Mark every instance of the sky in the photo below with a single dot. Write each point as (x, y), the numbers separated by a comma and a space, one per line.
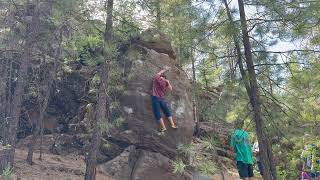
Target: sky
(281, 45)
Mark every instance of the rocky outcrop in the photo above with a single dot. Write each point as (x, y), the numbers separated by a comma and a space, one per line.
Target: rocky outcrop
(149, 155)
(140, 127)
(140, 164)
(68, 97)
(155, 40)
(135, 150)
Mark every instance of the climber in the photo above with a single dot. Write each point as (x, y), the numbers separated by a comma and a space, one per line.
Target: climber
(159, 86)
(241, 145)
(256, 152)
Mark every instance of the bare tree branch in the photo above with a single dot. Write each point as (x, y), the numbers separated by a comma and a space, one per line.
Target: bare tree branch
(289, 51)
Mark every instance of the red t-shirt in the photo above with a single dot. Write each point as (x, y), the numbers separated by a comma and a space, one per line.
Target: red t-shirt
(159, 86)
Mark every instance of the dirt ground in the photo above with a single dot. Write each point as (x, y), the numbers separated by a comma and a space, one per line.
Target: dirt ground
(69, 167)
(52, 167)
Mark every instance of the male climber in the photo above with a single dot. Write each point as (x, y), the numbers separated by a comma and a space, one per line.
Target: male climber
(159, 86)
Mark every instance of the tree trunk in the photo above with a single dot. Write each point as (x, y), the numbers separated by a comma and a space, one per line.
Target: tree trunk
(205, 78)
(194, 100)
(3, 92)
(32, 29)
(43, 104)
(38, 129)
(238, 51)
(102, 105)
(158, 11)
(264, 146)
(32, 142)
(8, 103)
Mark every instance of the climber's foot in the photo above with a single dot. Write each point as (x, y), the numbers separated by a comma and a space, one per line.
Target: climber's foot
(174, 127)
(162, 130)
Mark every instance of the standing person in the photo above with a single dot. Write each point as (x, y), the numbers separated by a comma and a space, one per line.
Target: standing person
(258, 156)
(304, 175)
(160, 84)
(241, 146)
(310, 157)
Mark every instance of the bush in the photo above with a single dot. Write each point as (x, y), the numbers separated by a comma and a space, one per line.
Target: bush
(8, 173)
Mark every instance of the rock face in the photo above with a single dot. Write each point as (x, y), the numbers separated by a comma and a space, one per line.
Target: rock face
(140, 124)
(137, 150)
(68, 97)
(152, 39)
(139, 164)
(149, 154)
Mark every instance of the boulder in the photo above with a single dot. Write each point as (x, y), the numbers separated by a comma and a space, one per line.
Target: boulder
(67, 100)
(138, 164)
(153, 39)
(135, 149)
(147, 154)
(140, 126)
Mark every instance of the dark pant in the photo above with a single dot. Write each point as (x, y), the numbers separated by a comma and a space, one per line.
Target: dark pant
(259, 164)
(157, 105)
(245, 170)
(313, 174)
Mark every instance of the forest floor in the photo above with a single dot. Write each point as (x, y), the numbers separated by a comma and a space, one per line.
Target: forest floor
(52, 167)
(66, 167)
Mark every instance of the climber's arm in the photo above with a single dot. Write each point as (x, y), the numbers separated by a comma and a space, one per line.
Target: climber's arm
(162, 71)
(169, 85)
(231, 151)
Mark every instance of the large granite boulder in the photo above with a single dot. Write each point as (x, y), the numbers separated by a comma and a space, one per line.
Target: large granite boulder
(147, 154)
(153, 39)
(138, 164)
(140, 126)
(135, 150)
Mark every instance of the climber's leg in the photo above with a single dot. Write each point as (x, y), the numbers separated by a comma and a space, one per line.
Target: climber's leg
(172, 123)
(166, 111)
(162, 126)
(156, 112)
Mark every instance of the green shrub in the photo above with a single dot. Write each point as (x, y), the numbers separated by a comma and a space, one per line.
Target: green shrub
(179, 166)
(8, 173)
(209, 143)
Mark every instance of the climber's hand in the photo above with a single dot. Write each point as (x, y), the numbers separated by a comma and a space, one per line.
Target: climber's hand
(231, 153)
(164, 70)
(167, 68)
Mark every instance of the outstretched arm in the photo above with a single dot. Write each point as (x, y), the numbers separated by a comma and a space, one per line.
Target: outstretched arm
(162, 71)
(169, 85)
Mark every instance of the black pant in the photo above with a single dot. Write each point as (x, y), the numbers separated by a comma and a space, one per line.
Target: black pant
(245, 170)
(259, 164)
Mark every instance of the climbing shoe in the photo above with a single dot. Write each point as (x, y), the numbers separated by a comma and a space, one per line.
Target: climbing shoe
(174, 127)
(162, 130)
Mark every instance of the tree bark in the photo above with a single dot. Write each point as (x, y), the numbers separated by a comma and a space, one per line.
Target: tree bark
(3, 92)
(253, 94)
(194, 100)
(43, 102)
(102, 105)
(158, 11)
(39, 127)
(192, 59)
(236, 41)
(8, 158)
(8, 102)
(264, 146)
